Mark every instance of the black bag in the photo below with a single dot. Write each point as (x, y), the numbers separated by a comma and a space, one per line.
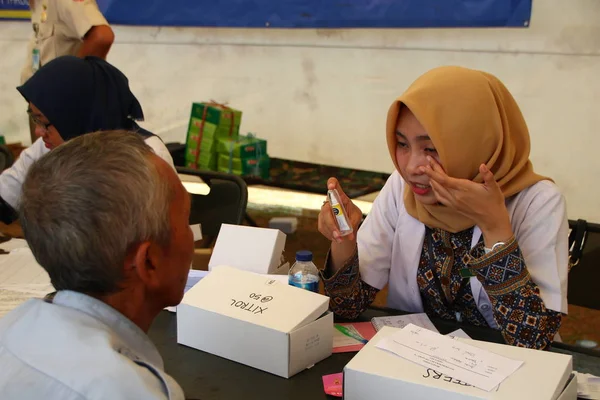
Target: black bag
(577, 239)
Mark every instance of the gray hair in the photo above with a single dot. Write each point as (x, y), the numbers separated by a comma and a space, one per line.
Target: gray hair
(87, 202)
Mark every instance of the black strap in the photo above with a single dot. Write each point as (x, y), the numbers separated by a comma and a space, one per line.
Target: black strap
(49, 298)
(142, 132)
(577, 241)
(8, 215)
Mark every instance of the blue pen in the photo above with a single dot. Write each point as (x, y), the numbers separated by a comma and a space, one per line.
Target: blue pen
(351, 334)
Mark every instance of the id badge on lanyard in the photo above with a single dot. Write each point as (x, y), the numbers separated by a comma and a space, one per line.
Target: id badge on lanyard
(35, 53)
(35, 59)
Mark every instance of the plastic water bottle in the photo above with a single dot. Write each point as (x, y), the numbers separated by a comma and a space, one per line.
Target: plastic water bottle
(304, 274)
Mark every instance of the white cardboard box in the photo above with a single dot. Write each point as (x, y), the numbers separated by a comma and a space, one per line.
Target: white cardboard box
(376, 374)
(570, 392)
(248, 248)
(257, 321)
(287, 225)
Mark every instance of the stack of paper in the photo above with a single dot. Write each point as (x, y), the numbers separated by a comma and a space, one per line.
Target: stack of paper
(21, 277)
(459, 333)
(463, 362)
(588, 386)
(194, 276)
(350, 337)
(400, 321)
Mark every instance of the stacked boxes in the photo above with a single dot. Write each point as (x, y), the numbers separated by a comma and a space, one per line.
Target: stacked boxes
(209, 122)
(244, 155)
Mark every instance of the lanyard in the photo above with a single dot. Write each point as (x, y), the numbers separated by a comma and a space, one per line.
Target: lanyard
(447, 294)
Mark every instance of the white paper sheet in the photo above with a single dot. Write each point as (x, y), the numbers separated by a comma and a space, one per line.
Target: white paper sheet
(196, 232)
(470, 364)
(13, 244)
(30, 289)
(459, 333)
(21, 277)
(194, 276)
(400, 321)
(588, 386)
(19, 268)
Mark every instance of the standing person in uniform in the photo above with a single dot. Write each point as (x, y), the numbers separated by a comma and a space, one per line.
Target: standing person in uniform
(67, 98)
(464, 230)
(65, 27)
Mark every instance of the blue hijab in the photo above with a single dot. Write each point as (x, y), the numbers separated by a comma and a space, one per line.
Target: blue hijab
(80, 96)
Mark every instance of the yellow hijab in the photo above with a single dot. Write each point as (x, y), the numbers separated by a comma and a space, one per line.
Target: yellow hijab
(472, 119)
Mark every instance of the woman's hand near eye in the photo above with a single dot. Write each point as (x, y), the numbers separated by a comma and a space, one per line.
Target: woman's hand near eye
(483, 203)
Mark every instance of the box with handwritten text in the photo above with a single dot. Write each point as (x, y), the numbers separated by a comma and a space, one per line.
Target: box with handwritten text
(415, 368)
(257, 321)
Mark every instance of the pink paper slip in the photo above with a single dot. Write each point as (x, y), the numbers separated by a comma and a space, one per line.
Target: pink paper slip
(333, 384)
(345, 344)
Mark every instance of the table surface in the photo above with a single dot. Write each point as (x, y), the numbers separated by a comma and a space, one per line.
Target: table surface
(204, 376)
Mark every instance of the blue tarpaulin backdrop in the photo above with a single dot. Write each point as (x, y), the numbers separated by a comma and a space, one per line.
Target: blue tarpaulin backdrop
(308, 13)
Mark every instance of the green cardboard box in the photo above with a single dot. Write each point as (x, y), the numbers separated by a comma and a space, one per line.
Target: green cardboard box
(191, 165)
(206, 162)
(204, 144)
(204, 157)
(194, 154)
(216, 114)
(245, 167)
(209, 122)
(242, 147)
(211, 131)
(208, 130)
(207, 145)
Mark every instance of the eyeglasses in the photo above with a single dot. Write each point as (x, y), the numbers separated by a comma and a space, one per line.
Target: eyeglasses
(36, 120)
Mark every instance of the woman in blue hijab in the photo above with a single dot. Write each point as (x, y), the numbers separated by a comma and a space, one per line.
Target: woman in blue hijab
(69, 97)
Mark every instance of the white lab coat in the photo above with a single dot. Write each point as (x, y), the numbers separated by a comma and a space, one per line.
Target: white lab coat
(390, 242)
(12, 179)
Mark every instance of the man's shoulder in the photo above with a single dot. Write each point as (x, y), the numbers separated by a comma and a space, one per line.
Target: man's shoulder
(92, 362)
(22, 380)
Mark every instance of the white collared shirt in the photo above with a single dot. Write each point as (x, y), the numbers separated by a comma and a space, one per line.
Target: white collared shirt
(78, 347)
(390, 243)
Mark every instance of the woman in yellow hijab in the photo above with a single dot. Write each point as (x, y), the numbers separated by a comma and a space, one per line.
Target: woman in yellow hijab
(464, 229)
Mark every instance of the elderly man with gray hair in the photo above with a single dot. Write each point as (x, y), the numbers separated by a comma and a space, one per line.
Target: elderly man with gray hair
(108, 220)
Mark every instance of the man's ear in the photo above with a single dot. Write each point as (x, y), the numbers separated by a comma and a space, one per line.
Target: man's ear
(145, 258)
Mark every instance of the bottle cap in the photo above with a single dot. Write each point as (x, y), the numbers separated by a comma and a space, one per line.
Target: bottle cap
(304, 255)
